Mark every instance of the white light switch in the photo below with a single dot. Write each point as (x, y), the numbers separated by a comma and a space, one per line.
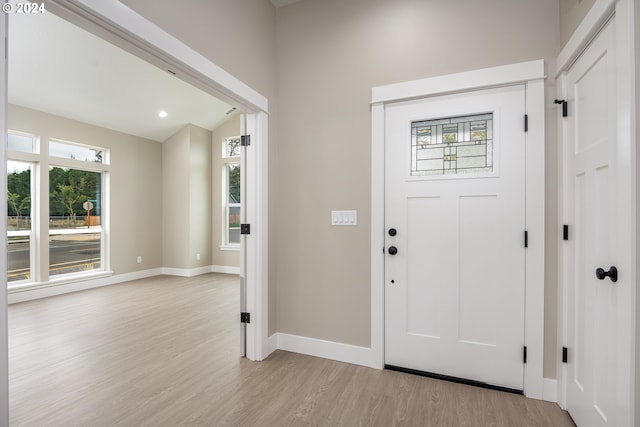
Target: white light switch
(344, 217)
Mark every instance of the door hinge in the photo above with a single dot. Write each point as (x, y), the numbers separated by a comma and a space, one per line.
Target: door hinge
(526, 239)
(526, 123)
(565, 355)
(245, 140)
(565, 232)
(565, 109)
(245, 317)
(524, 354)
(245, 228)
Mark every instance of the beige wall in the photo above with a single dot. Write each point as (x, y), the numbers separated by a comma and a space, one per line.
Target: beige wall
(637, 94)
(200, 195)
(175, 200)
(135, 204)
(572, 12)
(221, 257)
(186, 201)
(330, 54)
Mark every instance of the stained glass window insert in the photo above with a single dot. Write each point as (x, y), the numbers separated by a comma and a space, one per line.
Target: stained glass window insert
(451, 146)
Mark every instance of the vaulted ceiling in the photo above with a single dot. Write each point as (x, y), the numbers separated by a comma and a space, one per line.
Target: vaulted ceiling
(61, 69)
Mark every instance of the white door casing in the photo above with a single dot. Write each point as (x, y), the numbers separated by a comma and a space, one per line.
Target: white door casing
(454, 299)
(598, 197)
(531, 74)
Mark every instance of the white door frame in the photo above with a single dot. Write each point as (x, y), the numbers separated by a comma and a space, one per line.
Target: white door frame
(123, 27)
(532, 75)
(599, 14)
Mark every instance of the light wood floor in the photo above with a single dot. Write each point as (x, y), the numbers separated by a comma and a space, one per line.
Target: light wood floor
(164, 352)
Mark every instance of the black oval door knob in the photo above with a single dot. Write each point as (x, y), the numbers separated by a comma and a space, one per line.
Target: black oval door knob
(611, 274)
(392, 232)
(392, 250)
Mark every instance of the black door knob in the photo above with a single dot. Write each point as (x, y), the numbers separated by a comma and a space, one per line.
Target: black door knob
(611, 274)
(392, 232)
(392, 250)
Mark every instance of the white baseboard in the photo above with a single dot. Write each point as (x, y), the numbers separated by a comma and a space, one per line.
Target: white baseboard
(186, 272)
(191, 272)
(550, 390)
(272, 344)
(225, 269)
(326, 349)
(36, 291)
(73, 284)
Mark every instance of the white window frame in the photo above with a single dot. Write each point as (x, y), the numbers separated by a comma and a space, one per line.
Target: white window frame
(226, 162)
(39, 263)
(29, 158)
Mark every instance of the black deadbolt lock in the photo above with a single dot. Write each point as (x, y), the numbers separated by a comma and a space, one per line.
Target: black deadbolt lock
(392, 232)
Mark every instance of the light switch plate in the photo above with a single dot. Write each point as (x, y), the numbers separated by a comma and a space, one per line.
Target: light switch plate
(344, 218)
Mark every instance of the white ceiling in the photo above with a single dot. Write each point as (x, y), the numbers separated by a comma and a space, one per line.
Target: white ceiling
(61, 69)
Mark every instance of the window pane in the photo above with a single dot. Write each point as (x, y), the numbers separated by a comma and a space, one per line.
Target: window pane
(231, 147)
(73, 253)
(234, 224)
(233, 180)
(19, 258)
(76, 152)
(19, 220)
(75, 206)
(18, 196)
(454, 145)
(25, 143)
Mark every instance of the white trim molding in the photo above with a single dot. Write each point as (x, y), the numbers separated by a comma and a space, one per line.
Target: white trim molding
(36, 291)
(532, 74)
(550, 391)
(326, 349)
(225, 269)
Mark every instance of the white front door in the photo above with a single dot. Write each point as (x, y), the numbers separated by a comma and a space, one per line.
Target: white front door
(455, 235)
(598, 318)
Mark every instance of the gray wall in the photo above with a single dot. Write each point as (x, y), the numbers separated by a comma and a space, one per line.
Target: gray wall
(186, 198)
(572, 12)
(175, 200)
(637, 94)
(200, 195)
(330, 54)
(136, 197)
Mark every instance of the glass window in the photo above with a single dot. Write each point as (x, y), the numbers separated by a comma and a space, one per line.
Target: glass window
(83, 153)
(233, 204)
(75, 212)
(19, 191)
(231, 147)
(454, 145)
(18, 142)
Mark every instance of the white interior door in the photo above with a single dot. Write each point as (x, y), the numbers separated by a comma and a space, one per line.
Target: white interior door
(598, 327)
(243, 237)
(455, 265)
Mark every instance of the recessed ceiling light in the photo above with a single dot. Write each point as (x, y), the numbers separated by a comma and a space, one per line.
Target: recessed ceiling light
(162, 114)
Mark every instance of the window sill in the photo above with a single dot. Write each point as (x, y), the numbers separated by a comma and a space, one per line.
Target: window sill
(67, 279)
(232, 248)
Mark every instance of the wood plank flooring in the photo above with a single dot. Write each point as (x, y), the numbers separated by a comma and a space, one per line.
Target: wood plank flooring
(164, 351)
